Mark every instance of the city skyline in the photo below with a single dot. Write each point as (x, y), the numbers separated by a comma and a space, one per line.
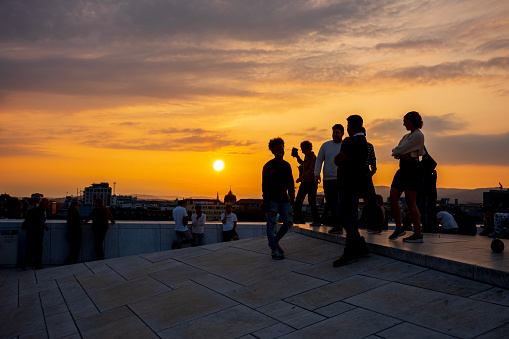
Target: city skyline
(149, 94)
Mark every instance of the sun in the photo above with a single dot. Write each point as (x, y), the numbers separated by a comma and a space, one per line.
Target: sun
(218, 165)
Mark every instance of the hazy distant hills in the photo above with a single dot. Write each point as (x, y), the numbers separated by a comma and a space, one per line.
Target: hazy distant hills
(464, 196)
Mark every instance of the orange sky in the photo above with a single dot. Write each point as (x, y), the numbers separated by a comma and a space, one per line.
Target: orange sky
(149, 94)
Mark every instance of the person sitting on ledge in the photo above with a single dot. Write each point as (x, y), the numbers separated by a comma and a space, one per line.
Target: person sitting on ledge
(182, 232)
(229, 220)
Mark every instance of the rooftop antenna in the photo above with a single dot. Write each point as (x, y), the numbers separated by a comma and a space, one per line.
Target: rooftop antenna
(501, 187)
(114, 185)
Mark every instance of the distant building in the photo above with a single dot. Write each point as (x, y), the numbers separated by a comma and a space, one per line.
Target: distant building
(497, 199)
(102, 190)
(230, 198)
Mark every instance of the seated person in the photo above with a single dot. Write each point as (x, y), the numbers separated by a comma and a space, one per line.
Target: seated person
(446, 223)
(466, 224)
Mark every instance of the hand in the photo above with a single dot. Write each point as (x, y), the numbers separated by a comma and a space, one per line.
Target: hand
(406, 157)
(297, 181)
(265, 206)
(318, 179)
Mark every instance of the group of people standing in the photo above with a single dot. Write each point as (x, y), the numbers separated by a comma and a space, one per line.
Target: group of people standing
(35, 226)
(348, 167)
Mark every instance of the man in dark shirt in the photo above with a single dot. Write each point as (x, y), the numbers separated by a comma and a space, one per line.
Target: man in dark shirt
(35, 225)
(278, 193)
(354, 182)
(100, 216)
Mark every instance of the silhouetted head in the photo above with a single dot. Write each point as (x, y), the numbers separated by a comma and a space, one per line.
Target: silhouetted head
(98, 202)
(306, 147)
(414, 118)
(229, 209)
(337, 133)
(354, 124)
(277, 147)
(181, 203)
(379, 200)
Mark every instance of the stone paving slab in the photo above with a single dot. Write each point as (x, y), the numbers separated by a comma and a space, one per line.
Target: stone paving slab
(127, 292)
(267, 291)
(445, 313)
(178, 306)
(229, 323)
(235, 290)
(357, 323)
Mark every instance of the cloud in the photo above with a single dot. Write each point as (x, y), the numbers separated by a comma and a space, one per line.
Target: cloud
(470, 149)
(494, 45)
(274, 20)
(444, 141)
(448, 70)
(126, 123)
(410, 44)
(391, 130)
(175, 139)
(11, 150)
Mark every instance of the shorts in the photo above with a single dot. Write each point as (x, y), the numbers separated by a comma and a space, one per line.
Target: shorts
(183, 235)
(229, 235)
(407, 179)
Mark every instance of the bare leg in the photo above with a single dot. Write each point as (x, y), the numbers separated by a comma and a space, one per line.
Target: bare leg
(411, 201)
(396, 212)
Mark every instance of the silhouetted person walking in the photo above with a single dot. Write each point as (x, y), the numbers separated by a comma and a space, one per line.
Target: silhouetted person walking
(278, 193)
(99, 216)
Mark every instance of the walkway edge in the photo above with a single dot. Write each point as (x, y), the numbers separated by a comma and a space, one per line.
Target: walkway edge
(465, 270)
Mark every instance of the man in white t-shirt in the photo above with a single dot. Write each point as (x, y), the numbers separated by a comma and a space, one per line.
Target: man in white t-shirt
(198, 227)
(326, 155)
(446, 223)
(181, 218)
(229, 220)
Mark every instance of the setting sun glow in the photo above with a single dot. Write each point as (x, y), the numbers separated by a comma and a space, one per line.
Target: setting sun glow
(218, 165)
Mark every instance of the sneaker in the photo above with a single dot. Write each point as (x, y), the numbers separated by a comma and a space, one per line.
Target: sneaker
(280, 249)
(346, 258)
(276, 255)
(495, 234)
(336, 230)
(374, 231)
(414, 238)
(315, 224)
(398, 232)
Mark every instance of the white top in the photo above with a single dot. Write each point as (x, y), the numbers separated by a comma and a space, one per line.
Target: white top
(230, 219)
(178, 215)
(198, 223)
(412, 143)
(326, 155)
(447, 220)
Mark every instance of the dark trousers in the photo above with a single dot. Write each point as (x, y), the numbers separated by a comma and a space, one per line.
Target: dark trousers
(330, 190)
(99, 234)
(74, 238)
(34, 248)
(307, 188)
(349, 200)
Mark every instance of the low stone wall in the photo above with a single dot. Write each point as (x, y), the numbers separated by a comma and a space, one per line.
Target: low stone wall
(124, 238)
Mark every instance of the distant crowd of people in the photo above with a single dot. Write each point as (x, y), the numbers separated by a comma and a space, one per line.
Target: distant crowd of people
(348, 166)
